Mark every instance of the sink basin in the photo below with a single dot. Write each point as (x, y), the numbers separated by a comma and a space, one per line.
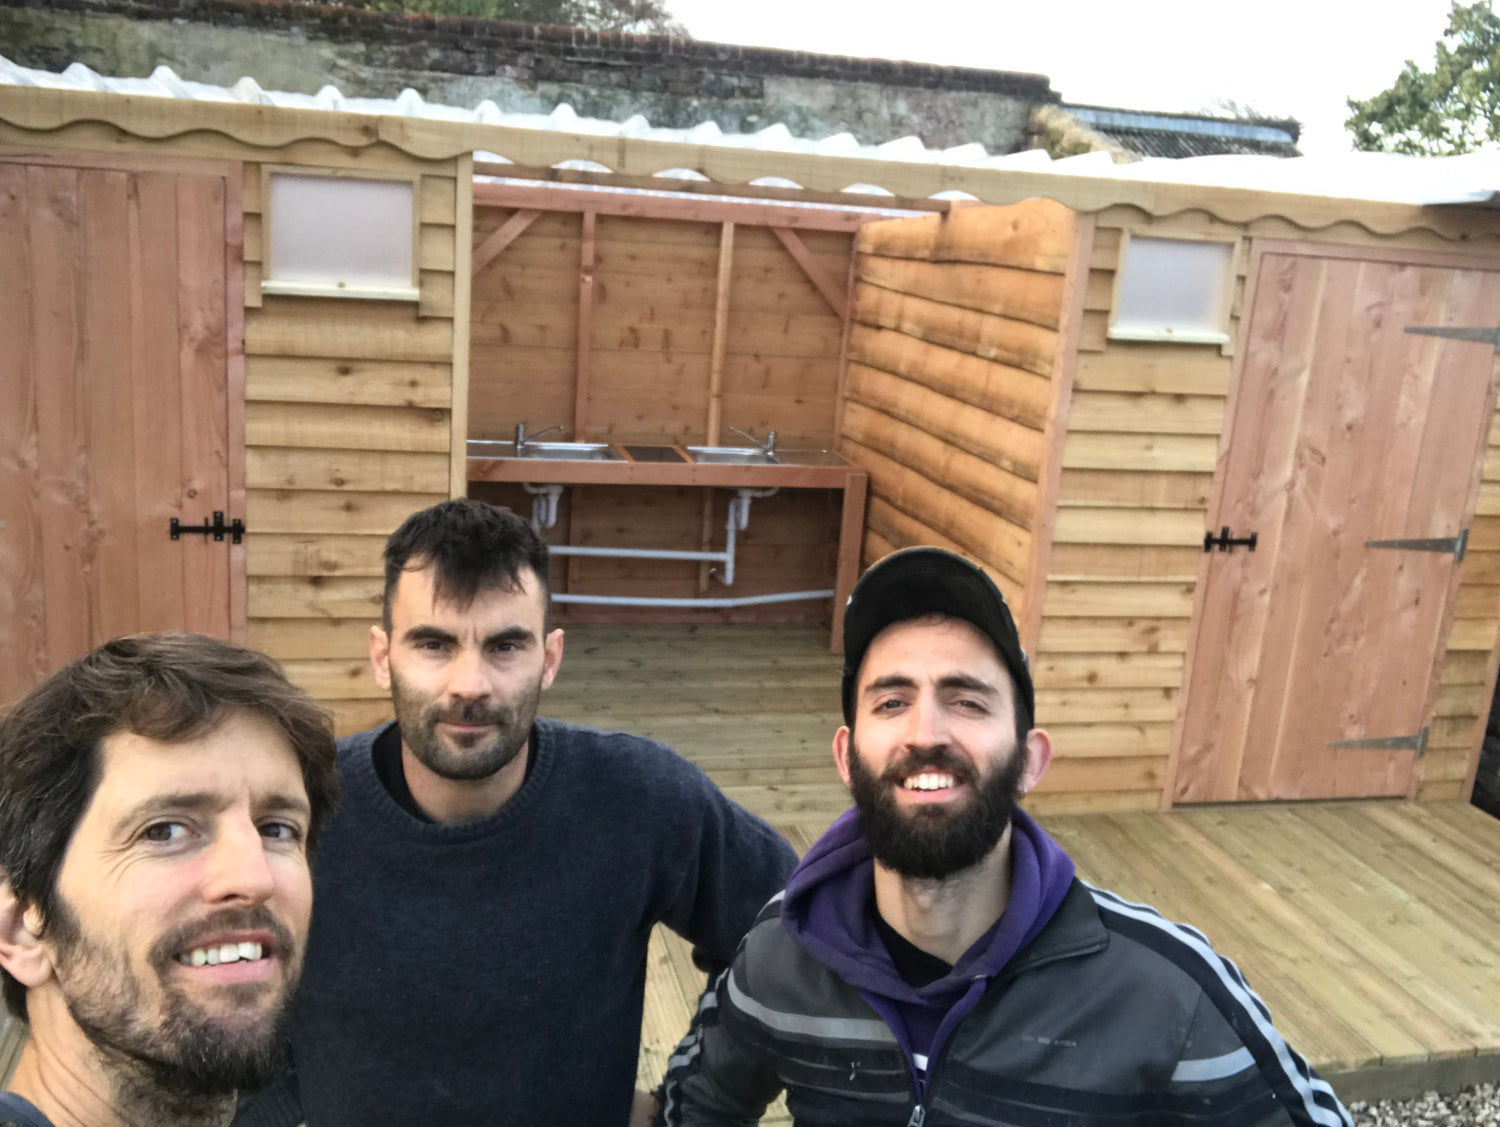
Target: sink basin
(731, 456)
(572, 452)
(547, 451)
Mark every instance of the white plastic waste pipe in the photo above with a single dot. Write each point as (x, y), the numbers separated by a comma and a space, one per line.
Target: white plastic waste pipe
(544, 515)
(738, 601)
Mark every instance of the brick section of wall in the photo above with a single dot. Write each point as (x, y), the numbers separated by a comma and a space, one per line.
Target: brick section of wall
(675, 82)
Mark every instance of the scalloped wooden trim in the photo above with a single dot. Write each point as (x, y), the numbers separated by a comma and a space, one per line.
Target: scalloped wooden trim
(48, 110)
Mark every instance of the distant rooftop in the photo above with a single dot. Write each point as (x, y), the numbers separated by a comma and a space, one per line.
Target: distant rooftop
(1176, 136)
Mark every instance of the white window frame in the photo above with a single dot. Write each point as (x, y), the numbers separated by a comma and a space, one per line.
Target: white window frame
(1220, 336)
(269, 283)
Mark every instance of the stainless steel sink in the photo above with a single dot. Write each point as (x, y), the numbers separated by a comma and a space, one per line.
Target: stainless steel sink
(731, 456)
(547, 451)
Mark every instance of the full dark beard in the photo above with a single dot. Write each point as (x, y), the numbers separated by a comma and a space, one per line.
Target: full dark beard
(930, 842)
(419, 720)
(188, 1064)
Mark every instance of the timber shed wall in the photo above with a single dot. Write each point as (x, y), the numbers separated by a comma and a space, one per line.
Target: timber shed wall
(1137, 455)
(960, 344)
(347, 413)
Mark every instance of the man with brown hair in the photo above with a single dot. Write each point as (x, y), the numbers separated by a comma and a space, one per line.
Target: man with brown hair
(158, 801)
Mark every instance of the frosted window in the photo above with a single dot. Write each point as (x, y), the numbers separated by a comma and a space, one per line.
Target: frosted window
(1173, 288)
(336, 234)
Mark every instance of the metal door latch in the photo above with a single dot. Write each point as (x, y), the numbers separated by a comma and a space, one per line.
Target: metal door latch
(1224, 541)
(1416, 742)
(1458, 545)
(235, 528)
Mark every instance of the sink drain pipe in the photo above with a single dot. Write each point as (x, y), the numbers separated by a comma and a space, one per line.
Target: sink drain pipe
(544, 516)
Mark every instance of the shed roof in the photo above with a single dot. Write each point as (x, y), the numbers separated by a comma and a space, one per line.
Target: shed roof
(1390, 178)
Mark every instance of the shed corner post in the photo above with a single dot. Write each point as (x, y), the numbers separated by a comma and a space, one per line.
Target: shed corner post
(1055, 429)
(463, 250)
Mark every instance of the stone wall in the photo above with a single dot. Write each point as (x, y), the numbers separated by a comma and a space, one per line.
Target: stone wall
(524, 68)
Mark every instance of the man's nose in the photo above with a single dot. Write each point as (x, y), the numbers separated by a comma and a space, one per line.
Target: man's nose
(469, 677)
(237, 866)
(926, 723)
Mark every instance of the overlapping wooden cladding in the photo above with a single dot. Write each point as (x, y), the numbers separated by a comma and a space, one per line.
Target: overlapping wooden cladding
(348, 431)
(951, 378)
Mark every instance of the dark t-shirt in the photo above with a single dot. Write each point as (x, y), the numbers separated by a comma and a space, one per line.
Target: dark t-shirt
(18, 1112)
(916, 967)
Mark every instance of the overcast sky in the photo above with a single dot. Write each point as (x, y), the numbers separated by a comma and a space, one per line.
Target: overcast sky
(1298, 58)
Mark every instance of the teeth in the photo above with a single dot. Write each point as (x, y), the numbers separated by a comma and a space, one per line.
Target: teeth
(225, 953)
(929, 780)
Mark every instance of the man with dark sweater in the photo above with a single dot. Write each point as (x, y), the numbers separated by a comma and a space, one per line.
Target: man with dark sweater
(485, 895)
(934, 961)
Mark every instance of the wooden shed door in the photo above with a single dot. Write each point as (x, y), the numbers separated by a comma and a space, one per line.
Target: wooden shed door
(113, 410)
(1346, 429)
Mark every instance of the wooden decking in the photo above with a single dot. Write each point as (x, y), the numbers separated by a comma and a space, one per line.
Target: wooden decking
(1371, 929)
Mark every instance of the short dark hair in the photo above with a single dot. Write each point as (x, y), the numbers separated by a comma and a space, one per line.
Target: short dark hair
(471, 546)
(165, 687)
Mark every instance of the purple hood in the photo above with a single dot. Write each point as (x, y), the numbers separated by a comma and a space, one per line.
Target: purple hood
(829, 895)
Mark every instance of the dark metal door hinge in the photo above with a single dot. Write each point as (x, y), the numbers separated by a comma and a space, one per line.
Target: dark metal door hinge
(1490, 337)
(235, 528)
(1224, 541)
(1458, 545)
(1416, 743)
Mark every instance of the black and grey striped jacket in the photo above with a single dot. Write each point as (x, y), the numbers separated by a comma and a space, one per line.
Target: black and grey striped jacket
(1111, 1016)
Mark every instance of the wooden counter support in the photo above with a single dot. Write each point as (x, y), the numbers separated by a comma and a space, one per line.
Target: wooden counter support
(829, 472)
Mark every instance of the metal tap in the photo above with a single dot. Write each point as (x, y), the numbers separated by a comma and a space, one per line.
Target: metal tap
(768, 448)
(521, 436)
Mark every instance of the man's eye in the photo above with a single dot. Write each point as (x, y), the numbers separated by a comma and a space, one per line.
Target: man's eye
(164, 831)
(890, 704)
(281, 831)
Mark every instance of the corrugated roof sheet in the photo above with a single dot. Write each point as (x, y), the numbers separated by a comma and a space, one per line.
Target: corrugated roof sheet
(1473, 178)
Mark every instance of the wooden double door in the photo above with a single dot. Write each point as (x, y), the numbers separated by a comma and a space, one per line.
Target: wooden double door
(1316, 655)
(116, 337)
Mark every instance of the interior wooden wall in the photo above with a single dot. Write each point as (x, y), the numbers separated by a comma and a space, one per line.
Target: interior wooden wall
(649, 333)
(950, 381)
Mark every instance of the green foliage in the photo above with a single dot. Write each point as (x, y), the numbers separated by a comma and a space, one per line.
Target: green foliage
(645, 17)
(1449, 109)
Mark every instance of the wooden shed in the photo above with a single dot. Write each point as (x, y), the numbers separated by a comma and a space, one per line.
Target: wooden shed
(985, 367)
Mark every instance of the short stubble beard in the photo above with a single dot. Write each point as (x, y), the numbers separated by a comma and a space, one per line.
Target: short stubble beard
(187, 1068)
(418, 721)
(931, 842)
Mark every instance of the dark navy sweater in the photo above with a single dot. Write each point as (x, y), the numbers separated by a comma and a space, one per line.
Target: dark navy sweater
(493, 972)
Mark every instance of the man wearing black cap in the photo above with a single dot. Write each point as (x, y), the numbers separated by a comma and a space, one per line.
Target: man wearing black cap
(934, 960)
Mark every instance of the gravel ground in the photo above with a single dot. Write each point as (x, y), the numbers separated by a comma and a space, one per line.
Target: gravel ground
(1470, 1107)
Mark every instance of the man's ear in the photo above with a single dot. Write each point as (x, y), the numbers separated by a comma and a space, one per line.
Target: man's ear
(380, 656)
(1038, 755)
(841, 753)
(22, 951)
(552, 655)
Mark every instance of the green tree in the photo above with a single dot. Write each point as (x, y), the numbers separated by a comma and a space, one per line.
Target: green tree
(644, 17)
(1446, 110)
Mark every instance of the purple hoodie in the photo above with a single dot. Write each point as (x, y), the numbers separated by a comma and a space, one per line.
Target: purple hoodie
(829, 908)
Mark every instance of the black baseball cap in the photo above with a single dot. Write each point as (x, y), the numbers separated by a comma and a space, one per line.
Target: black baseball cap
(919, 581)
